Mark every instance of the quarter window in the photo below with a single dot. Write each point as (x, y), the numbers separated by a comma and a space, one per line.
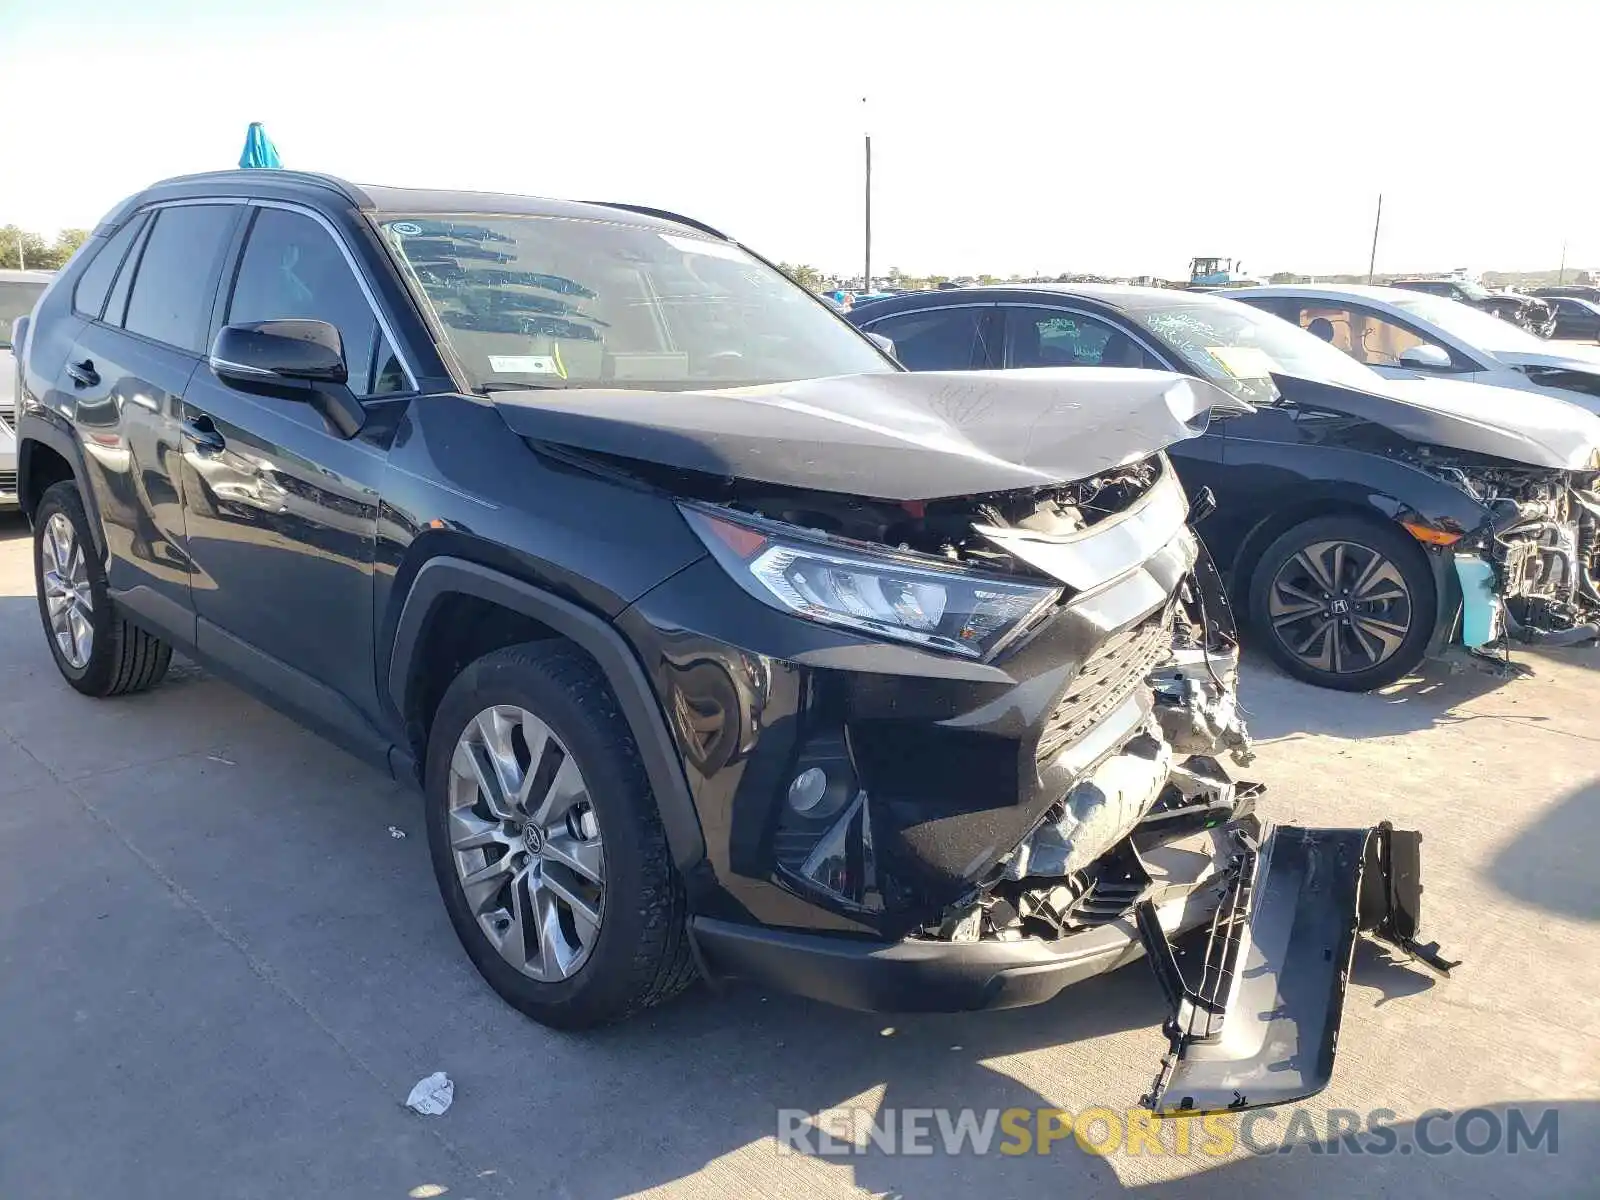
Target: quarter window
(292, 269)
(89, 297)
(176, 280)
(940, 339)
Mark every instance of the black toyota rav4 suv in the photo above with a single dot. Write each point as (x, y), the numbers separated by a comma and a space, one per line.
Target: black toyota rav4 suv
(716, 642)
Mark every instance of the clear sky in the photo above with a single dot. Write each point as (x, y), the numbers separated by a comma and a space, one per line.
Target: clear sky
(1008, 136)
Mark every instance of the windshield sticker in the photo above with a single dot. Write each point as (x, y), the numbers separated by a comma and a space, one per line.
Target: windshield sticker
(1243, 362)
(525, 364)
(406, 228)
(691, 245)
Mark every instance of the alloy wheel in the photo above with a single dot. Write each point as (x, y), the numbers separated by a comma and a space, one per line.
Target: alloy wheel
(526, 843)
(1340, 606)
(67, 597)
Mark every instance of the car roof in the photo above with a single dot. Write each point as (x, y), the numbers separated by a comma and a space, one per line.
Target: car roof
(1123, 296)
(1368, 291)
(12, 275)
(381, 200)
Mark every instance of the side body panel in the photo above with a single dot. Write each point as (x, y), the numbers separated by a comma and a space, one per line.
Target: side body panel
(127, 423)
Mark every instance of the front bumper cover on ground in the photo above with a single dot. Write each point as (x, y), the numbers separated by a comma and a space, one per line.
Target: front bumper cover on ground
(1258, 1028)
(1262, 1024)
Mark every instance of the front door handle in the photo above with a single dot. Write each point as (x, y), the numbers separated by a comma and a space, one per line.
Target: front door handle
(83, 373)
(203, 433)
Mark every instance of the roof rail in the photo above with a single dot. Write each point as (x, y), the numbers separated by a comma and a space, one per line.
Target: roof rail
(348, 190)
(664, 215)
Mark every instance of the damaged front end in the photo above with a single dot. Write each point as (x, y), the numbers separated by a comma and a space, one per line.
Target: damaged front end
(1529, 574)
(953, 748)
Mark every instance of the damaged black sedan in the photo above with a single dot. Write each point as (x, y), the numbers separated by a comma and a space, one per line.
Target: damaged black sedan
(1363, 523)
(716, 642)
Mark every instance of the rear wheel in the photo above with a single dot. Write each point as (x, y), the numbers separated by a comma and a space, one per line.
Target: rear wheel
(96, 649)
(546, 843)
(1344, 603)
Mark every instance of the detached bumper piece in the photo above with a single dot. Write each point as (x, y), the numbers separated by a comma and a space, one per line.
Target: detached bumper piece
(1261, 1025)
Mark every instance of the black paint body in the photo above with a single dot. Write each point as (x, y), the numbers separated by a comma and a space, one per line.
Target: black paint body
(324, 573)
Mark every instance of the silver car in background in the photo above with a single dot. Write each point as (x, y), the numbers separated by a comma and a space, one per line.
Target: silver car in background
(19, 290)
(1410, 335)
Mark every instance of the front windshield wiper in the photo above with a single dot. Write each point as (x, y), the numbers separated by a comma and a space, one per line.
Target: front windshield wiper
(483, 389)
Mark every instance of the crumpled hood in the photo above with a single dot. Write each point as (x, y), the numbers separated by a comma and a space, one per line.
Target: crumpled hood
(1524, 427)
(891, 436)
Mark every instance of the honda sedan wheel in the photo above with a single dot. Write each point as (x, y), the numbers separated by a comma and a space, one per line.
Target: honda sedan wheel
(1344, 602)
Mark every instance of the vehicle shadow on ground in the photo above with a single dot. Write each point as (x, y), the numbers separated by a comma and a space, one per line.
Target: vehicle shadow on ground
(1278, 706)
(1551, 863)
(13, 526)
(821, 1059)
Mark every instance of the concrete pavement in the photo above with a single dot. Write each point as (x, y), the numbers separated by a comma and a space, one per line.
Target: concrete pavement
(220, 975)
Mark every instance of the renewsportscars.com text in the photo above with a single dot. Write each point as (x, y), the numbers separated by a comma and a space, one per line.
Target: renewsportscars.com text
(1104, 1131)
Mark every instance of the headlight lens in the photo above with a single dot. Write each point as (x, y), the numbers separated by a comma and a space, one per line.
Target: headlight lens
(950, 609)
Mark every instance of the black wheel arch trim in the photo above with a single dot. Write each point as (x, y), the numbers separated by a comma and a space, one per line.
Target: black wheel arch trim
(445, 575)
(41, 426)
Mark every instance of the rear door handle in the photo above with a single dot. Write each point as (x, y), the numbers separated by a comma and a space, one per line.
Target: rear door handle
(83, 373)
(203, 433)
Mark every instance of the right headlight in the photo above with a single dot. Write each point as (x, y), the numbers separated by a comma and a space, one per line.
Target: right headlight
(906, 597)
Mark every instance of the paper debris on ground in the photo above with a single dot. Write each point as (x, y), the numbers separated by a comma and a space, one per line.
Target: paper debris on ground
(432, 1095)
(396, 832)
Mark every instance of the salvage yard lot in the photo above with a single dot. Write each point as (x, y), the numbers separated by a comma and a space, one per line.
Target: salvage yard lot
(220, 974)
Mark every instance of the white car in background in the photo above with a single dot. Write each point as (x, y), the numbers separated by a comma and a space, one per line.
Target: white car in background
(1410, 335)
(18, 292)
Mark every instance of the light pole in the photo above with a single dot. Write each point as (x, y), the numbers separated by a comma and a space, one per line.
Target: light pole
(866, 270)
(1372, 262)
(22, 259)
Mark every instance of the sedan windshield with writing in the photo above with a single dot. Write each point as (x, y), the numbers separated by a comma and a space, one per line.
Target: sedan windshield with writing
(558, 302)
(1239, 348)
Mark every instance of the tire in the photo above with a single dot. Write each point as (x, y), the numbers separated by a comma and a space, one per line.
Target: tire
(637, 950)
(1385, 630)
(117, 657)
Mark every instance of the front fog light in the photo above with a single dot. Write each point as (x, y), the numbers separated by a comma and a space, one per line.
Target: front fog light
(808, 789)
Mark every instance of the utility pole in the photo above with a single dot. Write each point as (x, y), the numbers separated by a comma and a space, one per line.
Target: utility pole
(1372, 262)
(1561, 274)
(866, 272)
(22, 259)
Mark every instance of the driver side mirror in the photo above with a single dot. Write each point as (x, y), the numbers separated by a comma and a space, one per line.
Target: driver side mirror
(885, 344)
(1426, 357)
(293, 360)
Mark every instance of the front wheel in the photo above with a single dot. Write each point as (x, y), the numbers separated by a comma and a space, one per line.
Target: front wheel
(546, 842)
(1344, 602)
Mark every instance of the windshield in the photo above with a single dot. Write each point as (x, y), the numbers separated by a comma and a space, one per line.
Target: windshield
(1476, 328)
(1238, 348)
(528, 301)
(16, 300)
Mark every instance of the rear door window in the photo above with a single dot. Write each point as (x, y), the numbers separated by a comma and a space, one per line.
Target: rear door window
(939, 339)
(89, 296)
(175, 282)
